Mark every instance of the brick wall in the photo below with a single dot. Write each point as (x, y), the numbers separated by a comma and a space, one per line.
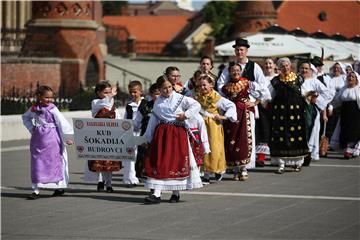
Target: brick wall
(21, 75)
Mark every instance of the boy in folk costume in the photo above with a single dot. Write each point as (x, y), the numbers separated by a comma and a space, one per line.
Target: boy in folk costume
(212, 103)
(131, 109)
(47, 126)
(103, 107)
(140, 124)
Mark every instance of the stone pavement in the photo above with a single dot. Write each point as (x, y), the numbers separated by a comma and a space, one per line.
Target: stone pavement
(320, 202)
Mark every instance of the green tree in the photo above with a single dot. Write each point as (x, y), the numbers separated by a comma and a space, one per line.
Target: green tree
(112, 7)
(221, 16)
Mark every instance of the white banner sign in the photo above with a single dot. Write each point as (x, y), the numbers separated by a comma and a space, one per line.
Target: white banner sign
(104, 139)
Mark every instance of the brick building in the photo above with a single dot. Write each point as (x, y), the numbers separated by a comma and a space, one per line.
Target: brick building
(64, 47)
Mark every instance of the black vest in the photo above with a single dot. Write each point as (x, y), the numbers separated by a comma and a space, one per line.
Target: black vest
(129, 111)
(248, 71)
(321, 79)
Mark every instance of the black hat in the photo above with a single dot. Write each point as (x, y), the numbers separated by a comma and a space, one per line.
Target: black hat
(241, 42)
(317, 61)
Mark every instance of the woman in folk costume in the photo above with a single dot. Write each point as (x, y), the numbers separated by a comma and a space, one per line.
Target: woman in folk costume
(288, 137)
(211, 106)
(348, 127)
(239, 135)
(103, 107)
(335, 83)
(170, 164)
(48, 128)
(318, 96)
(262, 128)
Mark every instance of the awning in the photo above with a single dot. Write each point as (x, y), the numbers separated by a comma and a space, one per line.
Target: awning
(278, 45)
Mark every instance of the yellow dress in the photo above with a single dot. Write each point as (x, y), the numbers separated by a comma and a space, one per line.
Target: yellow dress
(215, 161)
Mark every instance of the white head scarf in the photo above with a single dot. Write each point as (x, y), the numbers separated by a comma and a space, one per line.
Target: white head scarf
(343, 71)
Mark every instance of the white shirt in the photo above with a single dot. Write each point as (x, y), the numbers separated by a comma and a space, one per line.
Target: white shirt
(167, 109)
(325, 94)
(98, 104)
(347, 94)
(31, 119)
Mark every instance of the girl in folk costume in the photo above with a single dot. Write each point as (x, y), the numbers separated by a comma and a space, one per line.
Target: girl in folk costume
(48, 127)
(173, 74)
(197, 130)
(206, 65)
(348, 128)
(262, 128)
(239, 137)
(317, 96)
(288, 125)
(212, 103)
(103, 107)
(170, 164)
(192, 84)
(198, 134)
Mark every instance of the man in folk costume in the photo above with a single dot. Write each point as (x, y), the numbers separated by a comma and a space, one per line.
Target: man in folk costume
(258, 86)
(324, 79)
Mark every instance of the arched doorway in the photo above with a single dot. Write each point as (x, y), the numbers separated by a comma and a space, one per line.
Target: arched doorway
(92, 72)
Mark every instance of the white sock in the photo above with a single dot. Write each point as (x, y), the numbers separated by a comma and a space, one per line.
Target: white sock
(157, 193)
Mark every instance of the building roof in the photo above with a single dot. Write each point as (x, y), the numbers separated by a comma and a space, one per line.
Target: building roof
(149, 28)
(330, 17)
(156, 8)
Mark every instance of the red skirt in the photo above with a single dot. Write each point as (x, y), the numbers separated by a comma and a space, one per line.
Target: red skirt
(168, 153)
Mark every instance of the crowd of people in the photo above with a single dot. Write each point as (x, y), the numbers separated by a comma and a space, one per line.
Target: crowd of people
(210, 125)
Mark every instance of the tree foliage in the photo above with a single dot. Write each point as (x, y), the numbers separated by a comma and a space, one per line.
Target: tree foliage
(221, 16)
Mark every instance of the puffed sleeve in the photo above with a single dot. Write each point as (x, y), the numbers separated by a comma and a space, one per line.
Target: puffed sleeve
(27, 119)
(259, 87)
(325, 95)
(228, 107)
(191, 107)
(98, 104)
(64, 125)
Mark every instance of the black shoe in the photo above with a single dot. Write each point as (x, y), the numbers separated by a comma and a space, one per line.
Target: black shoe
(307, 161)
(218, 176)
(280, 171)
(100, 186)
(174, 198)
(33, 196)
(152, 200)
(109, 190)
(131, 185)
(205, 181)
(259, 164)
(58, 192)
